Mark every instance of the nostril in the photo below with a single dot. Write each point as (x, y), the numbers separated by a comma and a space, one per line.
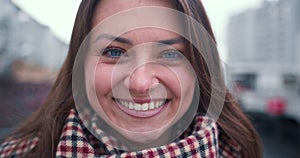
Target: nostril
(141, 81)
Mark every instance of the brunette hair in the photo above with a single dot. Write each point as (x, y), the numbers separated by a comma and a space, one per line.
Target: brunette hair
(47, 122)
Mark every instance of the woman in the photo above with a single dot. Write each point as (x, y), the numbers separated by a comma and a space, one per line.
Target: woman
(141, 108)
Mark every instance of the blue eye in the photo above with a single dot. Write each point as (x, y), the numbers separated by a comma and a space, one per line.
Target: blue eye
(113, 52)
(172, 55)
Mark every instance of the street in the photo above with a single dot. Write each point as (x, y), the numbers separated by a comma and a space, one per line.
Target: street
(280, 135)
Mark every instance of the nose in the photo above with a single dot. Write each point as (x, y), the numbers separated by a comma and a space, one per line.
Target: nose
(142, 79)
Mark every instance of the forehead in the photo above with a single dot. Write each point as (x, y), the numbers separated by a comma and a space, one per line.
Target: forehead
(135, 22)
(107, 8)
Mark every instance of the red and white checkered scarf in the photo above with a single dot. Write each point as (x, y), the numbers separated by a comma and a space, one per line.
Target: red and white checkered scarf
(76, 141)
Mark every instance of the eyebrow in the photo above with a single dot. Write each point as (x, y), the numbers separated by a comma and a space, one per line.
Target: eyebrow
(114, 38)
(171, 41)
(128, 42)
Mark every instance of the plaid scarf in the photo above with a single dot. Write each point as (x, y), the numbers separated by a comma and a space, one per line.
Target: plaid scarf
(202, 140)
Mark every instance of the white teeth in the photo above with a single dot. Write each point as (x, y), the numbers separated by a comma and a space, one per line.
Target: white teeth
(137, 106)
(141, 107)
(157, 104)
(151, 105)
(126, 104)
(131, 106)
(145, 106)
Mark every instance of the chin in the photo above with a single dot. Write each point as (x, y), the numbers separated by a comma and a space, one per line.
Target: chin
(144, 138)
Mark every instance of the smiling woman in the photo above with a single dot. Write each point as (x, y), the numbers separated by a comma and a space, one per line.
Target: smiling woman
(142, 79)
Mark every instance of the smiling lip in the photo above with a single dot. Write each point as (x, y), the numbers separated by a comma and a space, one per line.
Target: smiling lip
(141, 108)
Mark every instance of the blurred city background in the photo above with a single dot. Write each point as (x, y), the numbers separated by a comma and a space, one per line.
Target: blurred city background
(261, 51)
(30, 56)
(264, 71)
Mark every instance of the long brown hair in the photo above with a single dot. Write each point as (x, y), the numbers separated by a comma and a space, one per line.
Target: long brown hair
(48, 120)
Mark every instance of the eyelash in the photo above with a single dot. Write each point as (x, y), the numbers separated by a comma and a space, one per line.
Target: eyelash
(107, 53)
(178, 54)
(109, 49)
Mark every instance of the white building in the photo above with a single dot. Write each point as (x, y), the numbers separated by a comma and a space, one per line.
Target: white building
(241, 38)
(23, 38)
(268, 35)
(264, 49)
(265, 41)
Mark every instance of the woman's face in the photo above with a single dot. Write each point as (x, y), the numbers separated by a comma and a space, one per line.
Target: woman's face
(142, 80)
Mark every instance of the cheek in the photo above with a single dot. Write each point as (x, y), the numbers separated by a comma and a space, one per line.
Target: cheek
(103, 76)
(187, 84)
(182, 82)
(187, 81)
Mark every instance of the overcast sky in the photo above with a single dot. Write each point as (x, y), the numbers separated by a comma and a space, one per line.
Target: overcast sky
(59, 15)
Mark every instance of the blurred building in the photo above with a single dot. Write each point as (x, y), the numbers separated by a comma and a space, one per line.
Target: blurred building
(268, 35)
(30, 57)
(23, 39)
(264, 50)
